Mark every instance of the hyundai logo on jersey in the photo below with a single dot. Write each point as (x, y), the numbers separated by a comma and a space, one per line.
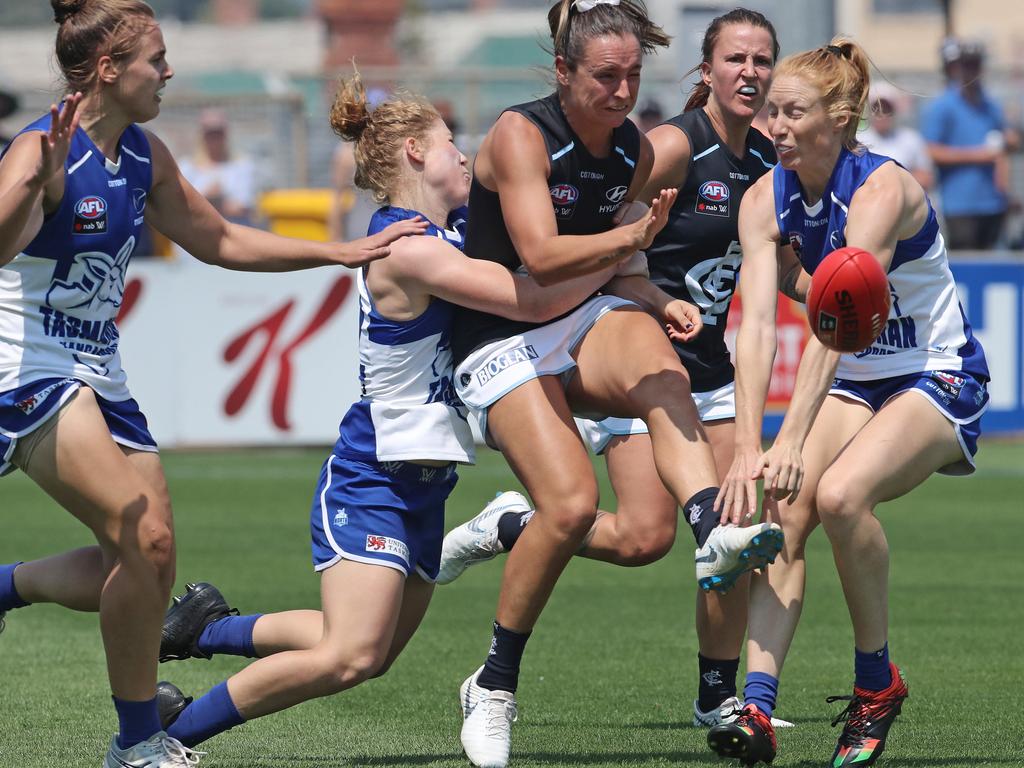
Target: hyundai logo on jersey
(90, 216)
(616, 194)
(713, 198)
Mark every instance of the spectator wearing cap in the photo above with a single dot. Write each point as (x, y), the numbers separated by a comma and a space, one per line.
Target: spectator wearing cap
(650, 115)
(967, 141)
(227, 180)
(886, 136)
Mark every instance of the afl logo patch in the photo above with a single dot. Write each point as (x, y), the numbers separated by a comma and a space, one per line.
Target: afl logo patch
(714, 191)
(616, 194)
(563, 198)
(713, 199)
(90, 216)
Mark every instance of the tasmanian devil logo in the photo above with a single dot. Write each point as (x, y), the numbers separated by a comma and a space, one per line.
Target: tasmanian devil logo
(94, 280)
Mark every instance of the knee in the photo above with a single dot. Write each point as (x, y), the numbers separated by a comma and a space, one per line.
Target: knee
(665, 381)
(838, 500)
(143, 532)
(645, 547)
(336, 674)
(570, 516)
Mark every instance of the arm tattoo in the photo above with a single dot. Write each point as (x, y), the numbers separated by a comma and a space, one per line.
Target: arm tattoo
(788, 285)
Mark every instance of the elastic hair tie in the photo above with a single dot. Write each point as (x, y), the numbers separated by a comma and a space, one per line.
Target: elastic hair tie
(835, 49)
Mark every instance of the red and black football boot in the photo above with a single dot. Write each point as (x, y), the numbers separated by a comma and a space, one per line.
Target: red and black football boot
(868, 717)
(750, 738)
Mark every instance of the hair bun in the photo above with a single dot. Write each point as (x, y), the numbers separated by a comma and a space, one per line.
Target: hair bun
(65, 9)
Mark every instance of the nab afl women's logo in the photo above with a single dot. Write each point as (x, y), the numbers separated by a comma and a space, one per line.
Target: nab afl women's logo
(713, 198)
(90, 216)
(714, 191)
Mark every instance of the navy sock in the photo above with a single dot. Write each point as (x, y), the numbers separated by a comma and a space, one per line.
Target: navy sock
(205, 717)
(510, 527)
(501, 670)
(138, 720)
(717, 681)
(231, 635)
(700, 512)
(9, 597)
(871, 670)
(762, 690)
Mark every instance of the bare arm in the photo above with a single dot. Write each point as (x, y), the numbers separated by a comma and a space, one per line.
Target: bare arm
(671, 160)
(178, 211)
(428, 266)
(946, 154)
(681, 318)
(32, 178)
(756, 344)
(794, 282)
(513, 160)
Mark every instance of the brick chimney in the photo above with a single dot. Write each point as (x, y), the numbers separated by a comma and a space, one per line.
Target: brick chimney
(363, 29)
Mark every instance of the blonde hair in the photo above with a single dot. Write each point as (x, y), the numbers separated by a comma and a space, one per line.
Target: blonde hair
(91, 29)
(571, 28)
(840, 72)
(378, 134)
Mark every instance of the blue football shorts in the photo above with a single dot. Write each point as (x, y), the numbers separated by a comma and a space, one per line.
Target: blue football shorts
(957, 395)
(381, 513)
(26, 408)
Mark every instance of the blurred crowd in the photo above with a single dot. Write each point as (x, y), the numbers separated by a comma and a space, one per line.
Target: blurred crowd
(958, 145)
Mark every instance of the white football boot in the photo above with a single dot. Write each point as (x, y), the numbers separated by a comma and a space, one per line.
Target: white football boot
(731, 551)
(476, 540)
(487, 724)
(158, 751)
(726, 712)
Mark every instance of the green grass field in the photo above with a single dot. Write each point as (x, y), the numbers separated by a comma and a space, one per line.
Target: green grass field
(609, 675)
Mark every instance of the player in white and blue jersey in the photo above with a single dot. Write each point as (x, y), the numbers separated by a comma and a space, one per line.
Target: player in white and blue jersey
(378, 510)
(76, 187)
(862, 428)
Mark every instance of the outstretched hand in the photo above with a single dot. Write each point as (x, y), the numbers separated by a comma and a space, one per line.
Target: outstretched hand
(55, 144)
(358, 253)
(647, 226)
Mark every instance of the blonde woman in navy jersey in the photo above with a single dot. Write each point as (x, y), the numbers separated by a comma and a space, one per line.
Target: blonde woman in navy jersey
(710, 154)
(862, 428)
(76, 187)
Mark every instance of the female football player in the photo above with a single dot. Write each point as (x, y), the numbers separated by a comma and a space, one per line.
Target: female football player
(862, 428)
(711, 155)
(76, 187)
(549, 179)
(378, 512)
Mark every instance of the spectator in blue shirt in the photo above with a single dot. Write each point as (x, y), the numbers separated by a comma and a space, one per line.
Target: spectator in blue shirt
(968, 143)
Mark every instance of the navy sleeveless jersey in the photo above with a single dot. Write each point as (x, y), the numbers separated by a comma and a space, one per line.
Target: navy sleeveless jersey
(586, 191)
(696, 257)
(60, 296)
(926, 329)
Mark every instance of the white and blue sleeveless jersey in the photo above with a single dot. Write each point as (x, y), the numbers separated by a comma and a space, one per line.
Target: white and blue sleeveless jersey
(409, 410)
(60, 296)
(927, 329)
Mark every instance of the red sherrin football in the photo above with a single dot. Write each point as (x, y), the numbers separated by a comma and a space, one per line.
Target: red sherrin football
(848, 303)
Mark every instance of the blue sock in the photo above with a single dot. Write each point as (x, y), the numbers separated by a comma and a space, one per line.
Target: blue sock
(761, 690)
(231, 635)
(9, 597)
(205, 717)
(871, 670)
(138, 720)
(501, 670)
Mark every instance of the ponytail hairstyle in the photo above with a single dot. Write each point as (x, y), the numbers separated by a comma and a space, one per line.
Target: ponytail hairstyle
(378, 134)
(840, 72)
(91, 29)
(574, 22)
(701, 91)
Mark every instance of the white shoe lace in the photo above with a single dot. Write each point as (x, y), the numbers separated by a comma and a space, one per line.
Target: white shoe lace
(500, 716)
(179, 754)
